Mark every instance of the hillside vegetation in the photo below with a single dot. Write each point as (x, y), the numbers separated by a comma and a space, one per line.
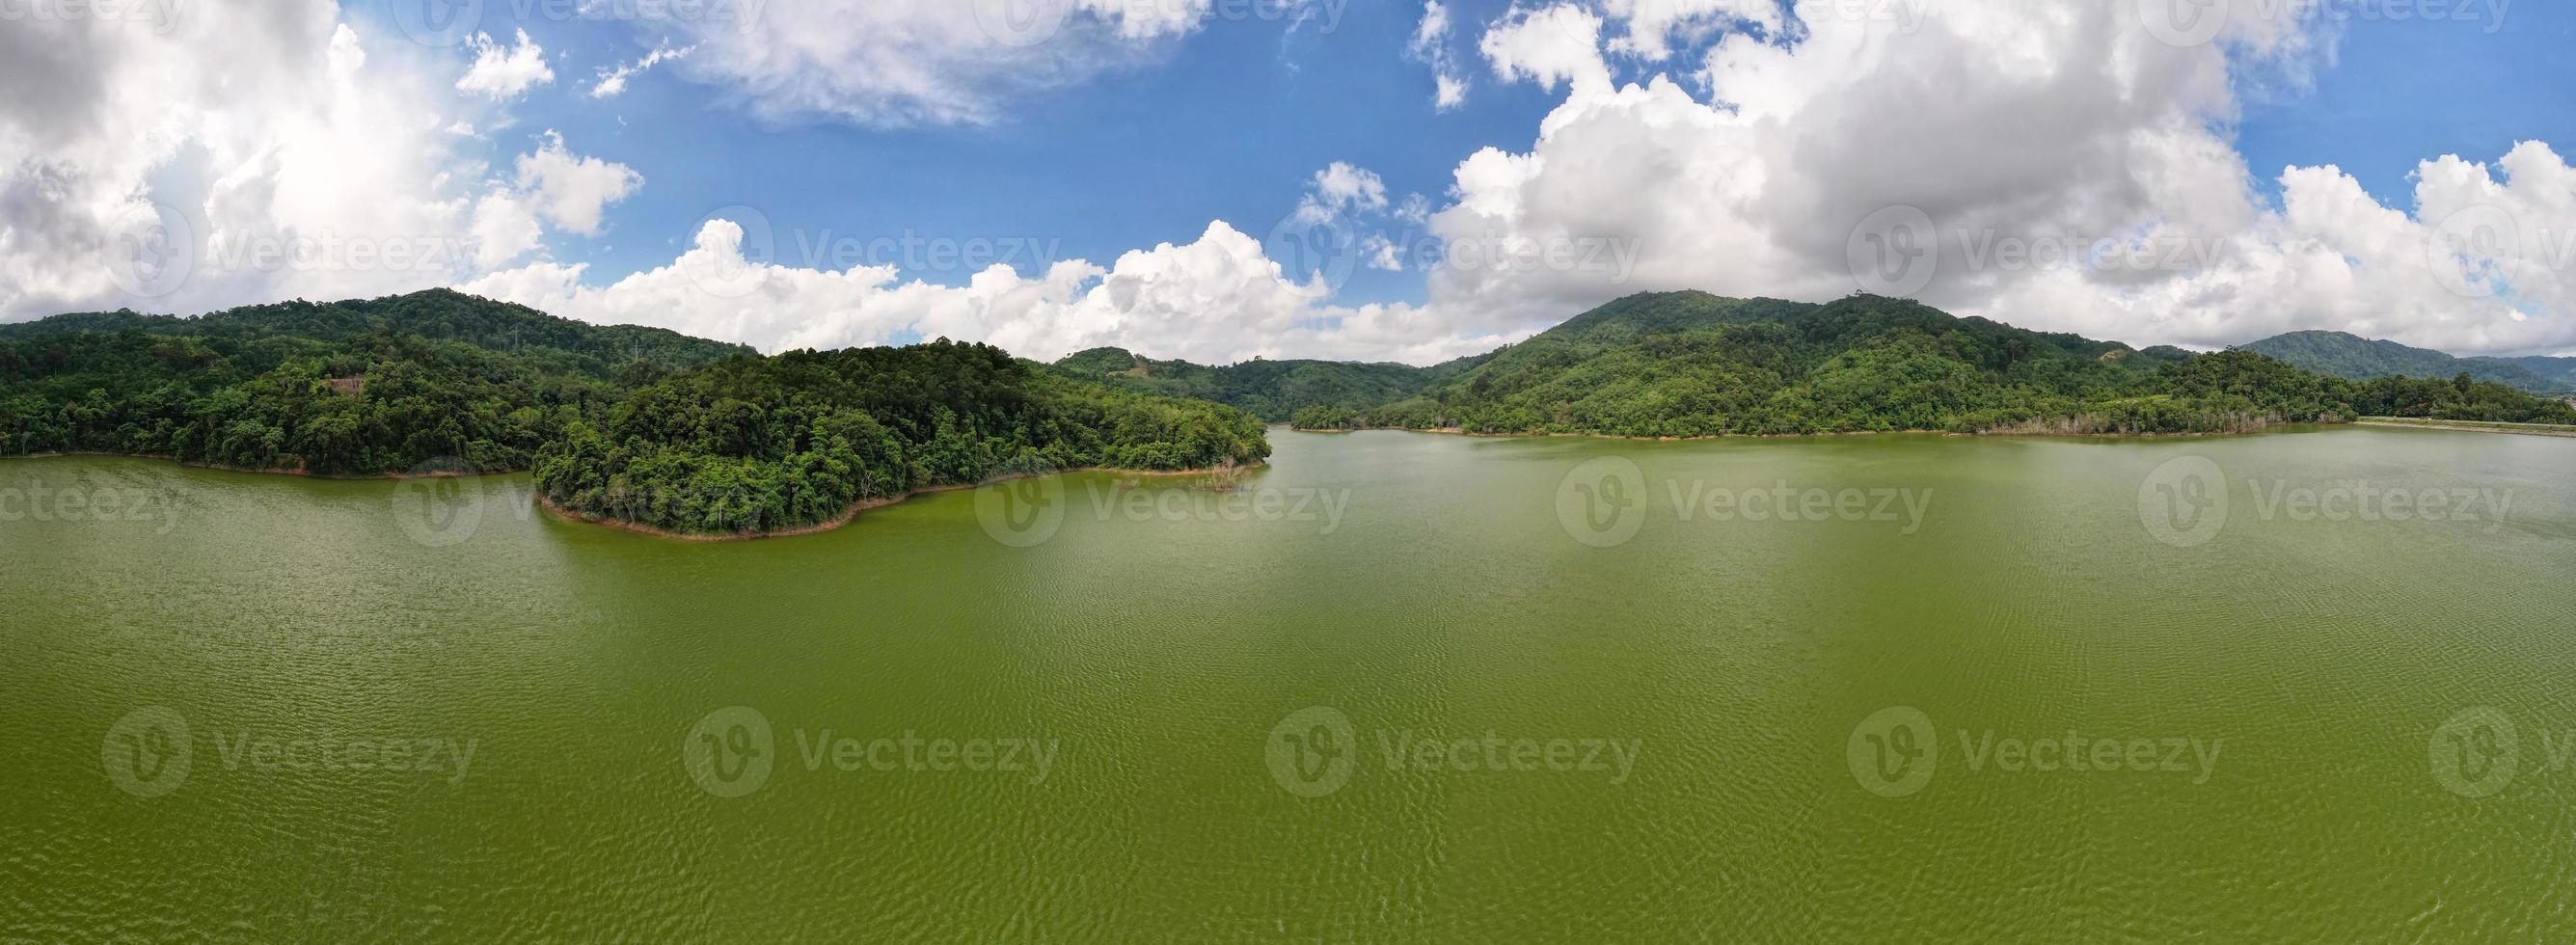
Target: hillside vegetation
(760, 445)
(1689, 364)
(356, 388)
(2352, 357)
(1272, 390)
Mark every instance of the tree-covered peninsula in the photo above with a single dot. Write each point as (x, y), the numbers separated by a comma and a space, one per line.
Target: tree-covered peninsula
(755, 445)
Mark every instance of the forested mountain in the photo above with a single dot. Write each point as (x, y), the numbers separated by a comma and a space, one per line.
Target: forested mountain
(1691, 364)
(1271, 390)
(367, 388)
(656, 428)
(2559, 373)
(758, 445)
(351, 388)
(2353, 357)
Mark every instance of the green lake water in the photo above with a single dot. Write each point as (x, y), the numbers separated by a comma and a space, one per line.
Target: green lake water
(1392, 688)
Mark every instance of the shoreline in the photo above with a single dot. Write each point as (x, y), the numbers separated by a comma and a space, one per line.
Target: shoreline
(2468, 426)
(856, 509)
(2001, 434)
(297, 473)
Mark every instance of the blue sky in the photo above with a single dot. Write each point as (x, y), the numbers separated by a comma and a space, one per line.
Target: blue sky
(1138, 164)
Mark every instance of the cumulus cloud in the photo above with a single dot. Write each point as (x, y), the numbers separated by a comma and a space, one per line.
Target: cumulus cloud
(2059, 166)
(264, 151)
(1551, 45)
(252, 152)
(503, 72)
(571, 190)
(1218, 299)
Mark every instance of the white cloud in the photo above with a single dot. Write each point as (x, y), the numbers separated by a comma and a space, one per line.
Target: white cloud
(1652, 24)
(1430, 46)
(502, 72)
(570, 190)
(2011, 126)
(1216, 300)
(1561, 43)
(1341, 189)
(255, 151)
(612, 82)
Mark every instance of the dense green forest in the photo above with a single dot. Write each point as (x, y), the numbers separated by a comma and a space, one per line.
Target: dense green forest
(1689, 364)
(1272, 390)
(2352, 357)
(355, 388)
(758, 445)
(656, 428)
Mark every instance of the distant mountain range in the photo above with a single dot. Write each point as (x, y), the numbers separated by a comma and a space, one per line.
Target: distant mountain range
(1691, 364)
(2356, 358)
